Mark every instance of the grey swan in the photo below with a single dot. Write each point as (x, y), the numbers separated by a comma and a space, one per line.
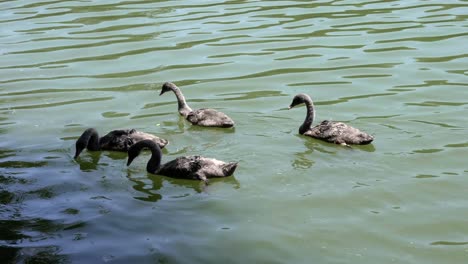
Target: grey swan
(118, 140)
(186, 167)
(333, 132)
(202, 117)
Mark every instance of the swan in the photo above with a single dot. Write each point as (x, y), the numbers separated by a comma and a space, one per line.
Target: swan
(119, 140)
(187, 167)
(202, 117)
(333, 132)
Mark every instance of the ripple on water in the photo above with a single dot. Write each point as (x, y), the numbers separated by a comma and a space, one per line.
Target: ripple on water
(397, 69)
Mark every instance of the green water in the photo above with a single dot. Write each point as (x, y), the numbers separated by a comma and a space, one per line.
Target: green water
(395, 69)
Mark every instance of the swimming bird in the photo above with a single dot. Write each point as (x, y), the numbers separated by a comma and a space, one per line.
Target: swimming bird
(333, 132)
(187, 167)
(118, 140)
(202, 117)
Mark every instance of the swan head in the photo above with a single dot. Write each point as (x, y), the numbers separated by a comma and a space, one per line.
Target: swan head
(300, 99)
(155, 161)
(167, 87)
(80, 146)
(132, 154)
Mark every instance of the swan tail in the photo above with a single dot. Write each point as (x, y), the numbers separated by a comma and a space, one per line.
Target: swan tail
(230, 168)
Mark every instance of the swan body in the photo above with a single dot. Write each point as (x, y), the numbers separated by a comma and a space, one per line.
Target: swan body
(187, 167)
(330, 131)
(118, 140)
(202, 117)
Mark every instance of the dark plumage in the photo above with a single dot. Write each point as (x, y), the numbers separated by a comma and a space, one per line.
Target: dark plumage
(334, 132)
(187, 167)
(202, 117)
(118, 140)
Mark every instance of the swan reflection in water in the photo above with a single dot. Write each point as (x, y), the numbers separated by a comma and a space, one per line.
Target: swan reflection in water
(151, 186)
(91, 161)
(305, 159)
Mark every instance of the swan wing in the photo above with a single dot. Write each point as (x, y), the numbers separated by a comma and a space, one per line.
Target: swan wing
(339, 133)
(197, 167)
(185, 167)
(123, 139)
(210, 117)
(119, 140)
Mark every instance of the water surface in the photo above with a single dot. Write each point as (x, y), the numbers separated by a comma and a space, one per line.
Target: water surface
(395, 69)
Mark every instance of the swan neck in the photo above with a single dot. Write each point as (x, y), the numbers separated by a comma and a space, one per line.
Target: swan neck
(154, 163)
(309, 117)
(89, 139)
(184, 109)
(91, 136)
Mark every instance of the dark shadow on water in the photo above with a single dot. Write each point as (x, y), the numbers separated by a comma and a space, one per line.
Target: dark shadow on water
(16, 229)
(32, 255)
(25, 239)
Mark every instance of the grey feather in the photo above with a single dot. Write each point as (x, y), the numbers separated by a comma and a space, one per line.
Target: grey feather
(333, 132)
(186, 167)
(116, 140)
(201, 117)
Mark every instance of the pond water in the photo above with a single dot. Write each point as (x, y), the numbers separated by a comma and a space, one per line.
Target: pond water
(395, 69)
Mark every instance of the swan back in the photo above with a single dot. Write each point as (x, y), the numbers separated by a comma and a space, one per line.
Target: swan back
(187, 167)
(117, 140)
(339, 133)
(210, 118)
(122, 140)
(197, 167)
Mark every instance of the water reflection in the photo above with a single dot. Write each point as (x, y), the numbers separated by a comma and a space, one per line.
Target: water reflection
(87, 165)
(149, 189)
(151, 186)
(89, 160)
(303, 159)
